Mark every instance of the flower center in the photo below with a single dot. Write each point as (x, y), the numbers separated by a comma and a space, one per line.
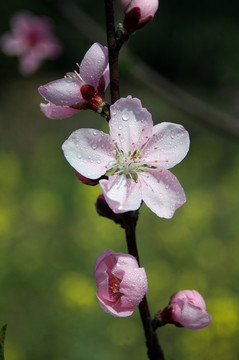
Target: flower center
(129, 164)
(114, 286)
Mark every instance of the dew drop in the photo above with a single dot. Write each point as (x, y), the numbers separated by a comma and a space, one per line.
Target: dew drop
(166, 186)
(98, 161)
(94, 146)
(172, 136)
(79, 156)
(125, 116)
(156, 147)
(120, 127)
(95, 132)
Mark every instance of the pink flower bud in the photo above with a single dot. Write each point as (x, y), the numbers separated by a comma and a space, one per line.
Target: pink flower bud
(103, 208)
(121, 283)
(188, 309)
(138, 13)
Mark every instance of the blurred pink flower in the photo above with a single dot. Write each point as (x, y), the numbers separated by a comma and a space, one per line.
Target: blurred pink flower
(31, 39)
(135, 156)
(188, 309)
(78, 91)
(138, 13)
(121, 283)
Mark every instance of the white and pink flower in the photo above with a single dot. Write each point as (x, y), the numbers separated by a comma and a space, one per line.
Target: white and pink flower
(31, 39)
(135, 156)
(188, 309)
(121, 283)
(78, 91)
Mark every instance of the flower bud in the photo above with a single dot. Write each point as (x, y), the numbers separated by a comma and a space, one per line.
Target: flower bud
(187, 309)
(138, 13)
(103, 208)
(121, 283)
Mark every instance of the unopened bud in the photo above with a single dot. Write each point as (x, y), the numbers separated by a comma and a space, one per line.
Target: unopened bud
(187, 309)
(103, 208)
(138, 13)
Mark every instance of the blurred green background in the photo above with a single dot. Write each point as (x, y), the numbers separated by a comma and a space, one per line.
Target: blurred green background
(50, 233)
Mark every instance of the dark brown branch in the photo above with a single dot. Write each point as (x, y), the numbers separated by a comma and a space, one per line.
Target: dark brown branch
(154, 350)
(113, 51)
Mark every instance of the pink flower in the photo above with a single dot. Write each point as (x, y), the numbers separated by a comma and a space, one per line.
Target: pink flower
(121, 283)
(78, 91)
(138, 13)
(188, 309)
(32, 40)
(135, 156)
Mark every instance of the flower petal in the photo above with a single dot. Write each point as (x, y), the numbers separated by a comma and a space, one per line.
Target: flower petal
(93, 64)
(130, 124)
(193, 317)
(65, 91)
(162, 192)
(133, 286)
(109, 254)
(106, 75)
(116, 310)
(121, 194)
(168, 145)
(57, 112)
(90, 152)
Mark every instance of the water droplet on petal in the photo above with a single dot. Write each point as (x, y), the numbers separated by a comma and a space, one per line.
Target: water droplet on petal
(120, 127)
(166, 186)
(94, 146)
(172, 136)
(125, 116)
(79, 156)
(98, 161)
(95, 132)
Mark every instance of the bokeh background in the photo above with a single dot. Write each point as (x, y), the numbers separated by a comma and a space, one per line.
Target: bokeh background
(50, 233)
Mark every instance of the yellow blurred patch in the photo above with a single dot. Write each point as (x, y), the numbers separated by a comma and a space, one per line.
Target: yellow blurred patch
(45, 205)
(77, 290)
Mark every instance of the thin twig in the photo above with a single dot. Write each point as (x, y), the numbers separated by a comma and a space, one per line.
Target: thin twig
(154, 349)
(113, 51)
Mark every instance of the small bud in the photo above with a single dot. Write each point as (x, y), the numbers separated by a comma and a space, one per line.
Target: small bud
(187, 309)
(138, 13)
(103, 208)
(121, 283)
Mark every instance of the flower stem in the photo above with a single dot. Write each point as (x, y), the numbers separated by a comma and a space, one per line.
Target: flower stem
(113, 51)
(154, 349)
